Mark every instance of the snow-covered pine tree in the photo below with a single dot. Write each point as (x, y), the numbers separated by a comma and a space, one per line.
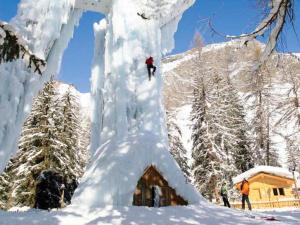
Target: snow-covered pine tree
(293, 152)
(206, 166)
(260, 99)
(289, 104)
(206, 169)
(221, 123)
(85, 135)
(69, 136)
(230, 127)
(5, 184)
(263, 147)
(220, 144)
(49, 141)
(33, 154)
(239, 141)
(235, 134)
(177, 149)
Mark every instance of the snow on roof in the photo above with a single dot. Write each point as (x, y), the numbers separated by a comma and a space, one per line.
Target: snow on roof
(116, 167)
(279, 171)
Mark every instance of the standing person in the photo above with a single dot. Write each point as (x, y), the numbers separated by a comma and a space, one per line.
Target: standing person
(149, 62)
(245, 189)
(224, 194)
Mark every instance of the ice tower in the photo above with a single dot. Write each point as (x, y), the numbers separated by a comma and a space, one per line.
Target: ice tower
(130, 158)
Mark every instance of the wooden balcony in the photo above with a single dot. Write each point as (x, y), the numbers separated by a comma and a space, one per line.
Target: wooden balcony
(271, 204)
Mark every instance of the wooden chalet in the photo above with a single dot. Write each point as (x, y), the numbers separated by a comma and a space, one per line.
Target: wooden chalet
(270, 189)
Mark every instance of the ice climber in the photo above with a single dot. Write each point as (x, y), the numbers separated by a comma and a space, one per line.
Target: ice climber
(245, 189)
(224, 194)
(149, 62)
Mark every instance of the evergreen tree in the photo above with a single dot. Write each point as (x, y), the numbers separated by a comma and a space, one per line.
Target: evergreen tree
(206, 166)
(49, 141)
(260, 131)
(69, 136)
(261, 106)
(5, 184)
(220, 144)
(293, 152)
(239, 138)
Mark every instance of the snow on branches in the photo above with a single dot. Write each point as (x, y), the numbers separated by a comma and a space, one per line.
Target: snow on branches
(12, 48)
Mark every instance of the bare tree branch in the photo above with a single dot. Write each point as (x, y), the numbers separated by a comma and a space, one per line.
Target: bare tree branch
(280, 12)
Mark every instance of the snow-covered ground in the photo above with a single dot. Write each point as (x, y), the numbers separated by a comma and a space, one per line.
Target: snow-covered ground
(288, 215)
(205, 214)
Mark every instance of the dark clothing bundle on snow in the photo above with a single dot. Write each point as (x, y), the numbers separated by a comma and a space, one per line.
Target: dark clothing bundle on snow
(52, 190)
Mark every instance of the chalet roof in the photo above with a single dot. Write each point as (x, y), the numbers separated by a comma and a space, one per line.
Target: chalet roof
(277, 171)
(119, 164)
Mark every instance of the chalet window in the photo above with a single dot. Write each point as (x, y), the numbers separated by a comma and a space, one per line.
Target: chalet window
(281, 191)
(278, 191)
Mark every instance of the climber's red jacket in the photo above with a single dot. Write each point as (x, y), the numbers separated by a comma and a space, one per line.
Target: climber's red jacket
(149, 61)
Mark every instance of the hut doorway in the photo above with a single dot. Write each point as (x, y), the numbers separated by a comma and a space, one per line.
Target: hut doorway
(154, 191)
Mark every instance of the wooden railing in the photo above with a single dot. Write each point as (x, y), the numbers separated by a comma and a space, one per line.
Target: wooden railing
(270, 204)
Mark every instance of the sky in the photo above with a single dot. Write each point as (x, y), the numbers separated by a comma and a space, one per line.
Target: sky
(232, 17)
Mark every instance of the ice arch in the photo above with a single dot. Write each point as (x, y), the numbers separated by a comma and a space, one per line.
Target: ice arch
(128, 116)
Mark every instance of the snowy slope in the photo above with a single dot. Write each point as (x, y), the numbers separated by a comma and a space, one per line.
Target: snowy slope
(119, 164)
(231, 58)
(205, 214)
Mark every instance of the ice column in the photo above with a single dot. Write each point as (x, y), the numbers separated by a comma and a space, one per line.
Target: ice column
(97, 80)
(132, 102)
(46, 27)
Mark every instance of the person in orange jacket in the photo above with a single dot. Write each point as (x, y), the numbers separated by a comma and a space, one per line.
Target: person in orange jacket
(245, 189)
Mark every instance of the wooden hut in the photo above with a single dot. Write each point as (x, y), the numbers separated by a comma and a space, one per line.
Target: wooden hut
(270, 187)
(151, 184)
